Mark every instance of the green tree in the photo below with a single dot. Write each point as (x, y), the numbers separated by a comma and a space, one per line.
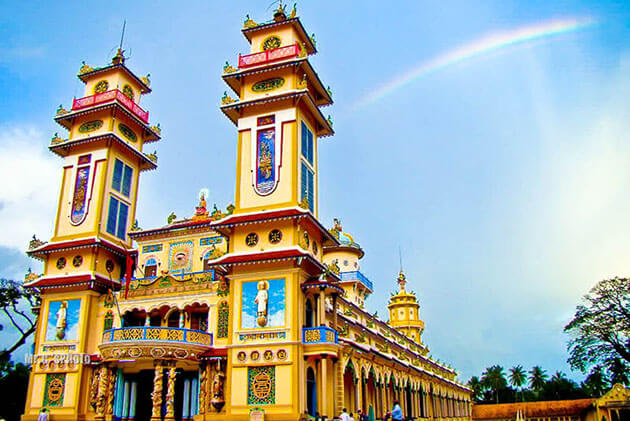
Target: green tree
(477, 388)
(595, 384)
(518, 377)
(494, 379)
(600, 328)
(14, 298)
(537, 378)
(618, 371)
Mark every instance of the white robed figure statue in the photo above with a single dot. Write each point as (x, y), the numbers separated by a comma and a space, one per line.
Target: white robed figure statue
(61, 320)
(262, 298)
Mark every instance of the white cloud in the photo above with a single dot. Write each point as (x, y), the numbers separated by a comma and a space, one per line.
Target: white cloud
(29, 187)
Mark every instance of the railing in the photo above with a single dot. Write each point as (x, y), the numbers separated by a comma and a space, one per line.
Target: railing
(268, 56)
(108, 96)
(159, 334)
(356, 275)
(321, 334)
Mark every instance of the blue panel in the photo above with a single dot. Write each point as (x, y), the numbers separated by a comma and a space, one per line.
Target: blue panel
(126, 183)
(122, 221)
(118, 170)
(112, 216)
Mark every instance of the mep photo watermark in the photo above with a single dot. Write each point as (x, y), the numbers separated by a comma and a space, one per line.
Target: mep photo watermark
(58, 358)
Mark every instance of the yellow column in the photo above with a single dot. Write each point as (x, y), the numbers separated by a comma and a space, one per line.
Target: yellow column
(101, 399)
(323, 408)
(156, 395)
(322, 308)
(170, 393)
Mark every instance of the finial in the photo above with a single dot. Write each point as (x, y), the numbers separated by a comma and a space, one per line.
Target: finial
(280, 14)
(402, 280)
(294, 11)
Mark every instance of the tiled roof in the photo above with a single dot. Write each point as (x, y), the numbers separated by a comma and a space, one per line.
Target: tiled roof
(540, 409)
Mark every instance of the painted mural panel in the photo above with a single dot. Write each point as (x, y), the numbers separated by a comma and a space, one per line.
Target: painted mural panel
(180, 256)
(63, 320)
(261, 385)
(79, 200)
(263, 304)
(54, 388)
(266, 161)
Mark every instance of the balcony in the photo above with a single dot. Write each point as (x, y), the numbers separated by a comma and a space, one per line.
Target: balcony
(356, 276)
(319, 335)
(154, 342)
(268, 56)
(111, 96)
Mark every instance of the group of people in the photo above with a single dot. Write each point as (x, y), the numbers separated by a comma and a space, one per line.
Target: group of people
(395, 414)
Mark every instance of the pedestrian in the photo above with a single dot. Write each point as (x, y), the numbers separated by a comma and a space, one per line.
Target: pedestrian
(361, 416)
(43, 415)
(344, 415)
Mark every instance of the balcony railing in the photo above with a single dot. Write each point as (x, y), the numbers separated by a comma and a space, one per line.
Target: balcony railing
(319, 335)
(110, 96)
(356, 275)
(268, 56)
(157, 334)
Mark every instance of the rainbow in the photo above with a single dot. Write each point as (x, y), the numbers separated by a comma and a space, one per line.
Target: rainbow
(484, 45)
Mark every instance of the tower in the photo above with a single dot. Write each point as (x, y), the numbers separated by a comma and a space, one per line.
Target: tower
(277, 115)
(90, 250)
(403, 311)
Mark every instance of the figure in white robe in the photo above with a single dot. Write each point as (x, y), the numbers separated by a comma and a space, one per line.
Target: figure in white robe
(262, 298)
(62, 320)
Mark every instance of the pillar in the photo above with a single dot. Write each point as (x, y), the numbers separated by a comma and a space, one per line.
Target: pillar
(321, 313)
(194, 391)
(156, 412)
(357, 394)
(170, 393)
(132, 400)
(334, 306)
(323, 408)
(186, 406)
(125, 406)
(119, 394)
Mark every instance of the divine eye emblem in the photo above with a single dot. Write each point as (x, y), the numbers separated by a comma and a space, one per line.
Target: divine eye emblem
(271, 43)
(275, 236)
(61, 263)
(180, 258)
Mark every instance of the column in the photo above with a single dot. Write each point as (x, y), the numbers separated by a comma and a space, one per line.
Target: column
(156, 412)
(125, 406)
(334, 305)
(357, 395)
(322, 308)
(132, 400)
(120, 384)
(186, 406)
(170, 393)
(101, 397)
(324, 380)
(194, 391)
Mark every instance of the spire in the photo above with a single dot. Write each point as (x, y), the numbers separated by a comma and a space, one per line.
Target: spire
(402, 280)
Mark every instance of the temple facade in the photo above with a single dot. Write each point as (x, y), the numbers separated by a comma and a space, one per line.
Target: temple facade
(252, 311)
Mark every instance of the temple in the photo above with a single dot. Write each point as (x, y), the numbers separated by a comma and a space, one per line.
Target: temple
(254, 310)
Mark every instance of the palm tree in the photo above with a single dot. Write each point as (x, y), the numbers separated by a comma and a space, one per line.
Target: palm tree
(494, 379)
(558, 376)
(537, 378)
(518, 378)
(477, 388)
(595, 383)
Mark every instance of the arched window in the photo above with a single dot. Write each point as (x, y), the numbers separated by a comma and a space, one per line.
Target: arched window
(311, 392)
(223, 319)
(150, 268)
(173, 319)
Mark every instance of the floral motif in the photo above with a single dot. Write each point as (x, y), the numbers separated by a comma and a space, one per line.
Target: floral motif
(261, 385)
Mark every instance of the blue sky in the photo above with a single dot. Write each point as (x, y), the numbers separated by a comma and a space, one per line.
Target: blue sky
(503, 178)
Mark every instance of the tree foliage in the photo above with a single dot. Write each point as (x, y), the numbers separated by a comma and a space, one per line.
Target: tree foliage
(494, 379)
(16, 303)
(600, 329)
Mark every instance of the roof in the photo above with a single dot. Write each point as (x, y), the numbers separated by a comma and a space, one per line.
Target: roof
(92, 280)
(76, 244)
(540, 409)
(295, 22)
(184, 224)
(87, 75)
(286, 213)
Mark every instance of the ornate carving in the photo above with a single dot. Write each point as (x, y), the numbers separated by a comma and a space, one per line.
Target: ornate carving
(110, 391)
(333, 267)
(157, 129)
(293, 12)
(152, 157)
(94, 388)
(146, 79)
(30, 276)
(170, 393)
(135, 226)
(218, 398)
(228, 68)
(56, 139)
(304, 203)
(249, 23)
(302, 52)
(171, 218)
(226, 99)
(61, 110)
(101, 398)
(156, 395)
(303, 84)
(85, 68)
(203, 385)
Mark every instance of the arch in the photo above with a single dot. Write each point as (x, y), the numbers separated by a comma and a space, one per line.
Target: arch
(349, 386)
(311, 391)
(150, 267)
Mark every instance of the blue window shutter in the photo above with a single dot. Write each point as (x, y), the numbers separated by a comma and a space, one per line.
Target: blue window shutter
(311, 192)
(304, 182)
(122, 221)
(112, 216)
(117, 179)
(310, 147)
(304, 141)
(126, 182)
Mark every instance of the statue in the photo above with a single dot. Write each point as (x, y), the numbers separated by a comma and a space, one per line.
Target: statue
(262, 297)
(61, 321)
(171, 218)
(201, 209)
(146, 79)
(218, 400)
(294, 11)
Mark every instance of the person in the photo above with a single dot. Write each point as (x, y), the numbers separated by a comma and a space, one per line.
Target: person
(361, 416)
(397, 414)
(344, 415)
(43, 415)
(351, 417)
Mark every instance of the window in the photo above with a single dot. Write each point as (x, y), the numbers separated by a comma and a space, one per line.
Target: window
(308, 185)
(307, 144)
(117, 218)
(150, 268)
(121, 182)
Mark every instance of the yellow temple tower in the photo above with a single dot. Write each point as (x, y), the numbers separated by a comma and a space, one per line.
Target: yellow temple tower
(253, 312)
(90, 250)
